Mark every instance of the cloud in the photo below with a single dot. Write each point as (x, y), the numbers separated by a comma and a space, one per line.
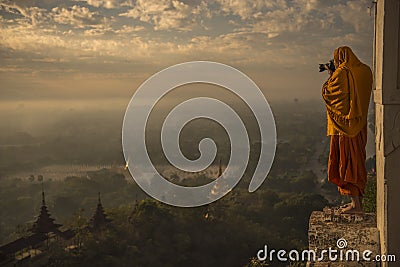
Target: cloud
(33, 15)
(79, 17)
(129, 29)
(297, 28)
(166, 14)
(277, 33)
(109, 4)
(27, 45)
(355, 14)
(245, 9)
(303, 16)
(94, 32)
(59, 47)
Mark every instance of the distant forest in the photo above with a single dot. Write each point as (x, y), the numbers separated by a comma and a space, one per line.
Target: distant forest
(144, 232)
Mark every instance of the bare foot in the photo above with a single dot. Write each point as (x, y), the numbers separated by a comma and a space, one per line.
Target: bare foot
(345, 205)
(354, 207)
(351, 209)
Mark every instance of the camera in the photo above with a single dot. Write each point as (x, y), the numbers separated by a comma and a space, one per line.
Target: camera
(327, 66)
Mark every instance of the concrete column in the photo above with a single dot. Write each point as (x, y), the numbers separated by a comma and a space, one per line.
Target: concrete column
(387, 131)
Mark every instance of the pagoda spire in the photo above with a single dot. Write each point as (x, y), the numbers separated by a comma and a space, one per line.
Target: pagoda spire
(44, 222)
(43, 198)
(99, 218)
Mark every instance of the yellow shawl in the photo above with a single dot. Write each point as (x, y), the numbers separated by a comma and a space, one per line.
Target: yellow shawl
(347, 93)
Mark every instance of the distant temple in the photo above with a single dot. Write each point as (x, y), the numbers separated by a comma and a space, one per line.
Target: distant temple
(44, 224)
(99, 219)
(43, 232)
(26, 250)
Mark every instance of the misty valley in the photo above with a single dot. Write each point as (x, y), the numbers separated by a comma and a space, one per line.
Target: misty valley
(74, 154)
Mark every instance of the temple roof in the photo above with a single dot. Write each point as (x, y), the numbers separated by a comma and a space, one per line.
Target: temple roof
(22, 242)
(99, 218)
(44, 223)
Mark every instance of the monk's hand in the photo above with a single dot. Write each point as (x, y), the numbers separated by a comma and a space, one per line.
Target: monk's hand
(330, 72)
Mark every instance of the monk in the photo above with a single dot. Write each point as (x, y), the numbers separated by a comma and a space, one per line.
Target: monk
(347, 94)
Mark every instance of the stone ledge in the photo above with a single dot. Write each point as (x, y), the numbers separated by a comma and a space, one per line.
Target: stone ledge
(358, 231)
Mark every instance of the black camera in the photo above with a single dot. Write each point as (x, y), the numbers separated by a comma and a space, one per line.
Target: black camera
(327, 66)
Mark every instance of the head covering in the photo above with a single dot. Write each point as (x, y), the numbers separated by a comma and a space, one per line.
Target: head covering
(347, 94)
(344, 55)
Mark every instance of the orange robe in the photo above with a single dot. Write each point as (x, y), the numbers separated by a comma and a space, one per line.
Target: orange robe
(346, 165)
(346, 94)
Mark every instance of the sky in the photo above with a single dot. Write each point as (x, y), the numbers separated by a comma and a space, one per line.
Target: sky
(84, 50)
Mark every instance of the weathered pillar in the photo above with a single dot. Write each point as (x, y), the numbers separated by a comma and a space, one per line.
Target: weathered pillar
(387, 105)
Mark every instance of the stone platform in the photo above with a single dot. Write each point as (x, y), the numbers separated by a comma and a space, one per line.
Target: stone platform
(331, 230)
